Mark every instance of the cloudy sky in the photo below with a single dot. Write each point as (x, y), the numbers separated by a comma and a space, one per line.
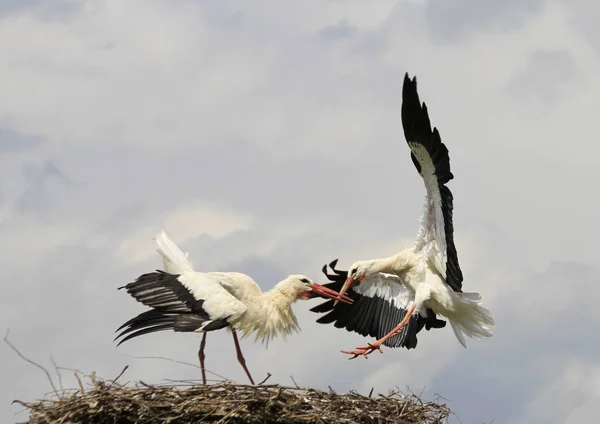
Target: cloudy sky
(266, 138)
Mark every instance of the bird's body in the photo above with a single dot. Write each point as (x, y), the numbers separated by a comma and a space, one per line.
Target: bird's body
(380, 302)
(429, 291)
(185, 300)
(430, 269)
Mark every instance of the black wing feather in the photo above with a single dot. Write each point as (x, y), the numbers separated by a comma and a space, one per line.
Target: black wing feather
(173, 307)
(417, 129)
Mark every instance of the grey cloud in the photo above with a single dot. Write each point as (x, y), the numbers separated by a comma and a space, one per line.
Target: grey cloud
(12, 141)
(456, 19)
(338, 32)
(583, 19)
(9, 6)
(45, 184)
(547, 76)
(269, 274)
(57, 10)
(273, 189)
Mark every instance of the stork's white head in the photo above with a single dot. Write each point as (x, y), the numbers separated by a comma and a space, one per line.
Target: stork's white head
(302, 287)
(357, 273)
(361, 270)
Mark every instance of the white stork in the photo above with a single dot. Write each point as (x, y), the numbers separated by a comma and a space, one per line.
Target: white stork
(429, 270)
(188, 301)
(380, 302)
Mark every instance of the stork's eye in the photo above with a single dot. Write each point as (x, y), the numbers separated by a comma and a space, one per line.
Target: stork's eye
(305, 281)
(353, 271)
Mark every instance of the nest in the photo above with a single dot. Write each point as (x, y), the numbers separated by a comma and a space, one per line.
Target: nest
(105, 401)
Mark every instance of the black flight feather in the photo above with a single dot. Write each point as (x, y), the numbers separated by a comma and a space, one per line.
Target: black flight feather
(417, 130)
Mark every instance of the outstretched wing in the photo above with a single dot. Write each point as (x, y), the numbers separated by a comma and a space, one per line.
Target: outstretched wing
(435, 238)
(380, 303)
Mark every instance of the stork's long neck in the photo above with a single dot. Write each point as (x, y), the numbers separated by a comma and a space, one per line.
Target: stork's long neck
(396, 264)
(271, 314)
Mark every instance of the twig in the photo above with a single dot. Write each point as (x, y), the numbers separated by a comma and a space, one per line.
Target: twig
(118, 376)
(296, 384)
(422, 391)
(79, 382)
(187, 383)
(266, 378)
(31, 362)
(62, 389)
(71, 369)
(178, 362)
(164, 359)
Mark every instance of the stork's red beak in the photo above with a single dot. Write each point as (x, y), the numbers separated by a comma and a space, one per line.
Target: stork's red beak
(323, 291)
(347, 284)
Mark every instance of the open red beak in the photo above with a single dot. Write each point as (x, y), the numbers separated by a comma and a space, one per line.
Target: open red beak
(347, 284)
(323, 291)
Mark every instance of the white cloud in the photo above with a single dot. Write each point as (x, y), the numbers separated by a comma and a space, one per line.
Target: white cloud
(574, 386)
(186, 222)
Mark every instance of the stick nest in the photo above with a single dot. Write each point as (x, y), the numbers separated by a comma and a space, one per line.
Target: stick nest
(105, 401)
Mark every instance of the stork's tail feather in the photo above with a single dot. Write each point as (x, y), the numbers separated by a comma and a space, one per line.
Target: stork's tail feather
(174, 260)
(471, 319)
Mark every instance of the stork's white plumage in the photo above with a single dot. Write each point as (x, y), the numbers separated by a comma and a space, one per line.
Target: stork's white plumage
(429, 270)
(188, 301)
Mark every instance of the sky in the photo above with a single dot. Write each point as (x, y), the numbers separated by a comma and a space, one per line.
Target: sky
(266, 138)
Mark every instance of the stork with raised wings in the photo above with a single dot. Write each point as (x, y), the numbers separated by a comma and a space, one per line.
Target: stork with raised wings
(184, 300)
(380, 302)
(430, 269)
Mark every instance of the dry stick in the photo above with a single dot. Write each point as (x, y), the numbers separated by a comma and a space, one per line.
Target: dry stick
(74, 370)
(177, 362)
(79, 382)
(187, 383)
(266, 378)
(31, 362)
(164, 359)
(229, 414)
(62, 389)
(422, 391)
(118, 376)
(292, 377)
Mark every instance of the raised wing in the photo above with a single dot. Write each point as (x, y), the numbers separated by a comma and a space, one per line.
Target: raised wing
(435, 238)
(189, 302)
(380, 303)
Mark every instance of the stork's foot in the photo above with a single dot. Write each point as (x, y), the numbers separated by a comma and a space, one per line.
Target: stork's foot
(364, 350)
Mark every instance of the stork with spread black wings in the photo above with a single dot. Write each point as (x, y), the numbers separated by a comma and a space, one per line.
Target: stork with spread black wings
(429, 271)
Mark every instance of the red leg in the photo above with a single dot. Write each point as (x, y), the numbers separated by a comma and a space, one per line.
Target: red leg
(201, 357)
(372, 347)
(240, 356)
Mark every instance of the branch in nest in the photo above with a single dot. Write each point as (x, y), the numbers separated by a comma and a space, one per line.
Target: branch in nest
(31, 362)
